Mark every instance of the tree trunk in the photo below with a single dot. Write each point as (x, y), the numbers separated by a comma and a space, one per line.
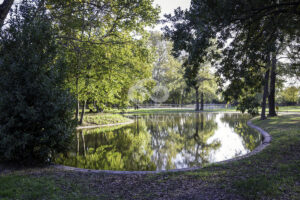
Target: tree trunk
(82, 112)
(197, 124)
(265, 95)
(83, 142)
(77, 110)
(197, 99)
(272, 111)
(77, 98)
(202, 101)
(4, 10)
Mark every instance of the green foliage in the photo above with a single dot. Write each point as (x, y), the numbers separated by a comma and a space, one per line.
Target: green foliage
(179, 76)
(104, 57)
(36, 112)
(246, 32)
(290, 95)
(167, 69)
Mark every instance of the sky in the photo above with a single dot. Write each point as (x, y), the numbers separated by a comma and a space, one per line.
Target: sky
(168, 7)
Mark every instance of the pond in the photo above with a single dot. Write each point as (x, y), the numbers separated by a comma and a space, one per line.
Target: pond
(163, 142)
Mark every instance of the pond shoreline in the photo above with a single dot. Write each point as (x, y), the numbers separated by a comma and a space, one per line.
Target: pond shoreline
(130, 121)
(262, 176)
(266, 140)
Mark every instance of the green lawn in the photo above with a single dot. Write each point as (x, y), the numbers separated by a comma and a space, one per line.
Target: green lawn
(272, 174)
(289, 109)
(172, 110)
(104, 119)
(166, 110)
(34, 187)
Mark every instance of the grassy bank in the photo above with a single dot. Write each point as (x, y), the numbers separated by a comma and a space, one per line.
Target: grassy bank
(272, 174)
(176, 110)
(166, 110)
(103, 119)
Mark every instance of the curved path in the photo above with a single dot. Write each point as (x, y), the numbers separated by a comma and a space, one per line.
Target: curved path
(266, 141)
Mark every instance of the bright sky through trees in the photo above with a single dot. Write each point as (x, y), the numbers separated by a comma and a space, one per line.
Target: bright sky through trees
(168, 6)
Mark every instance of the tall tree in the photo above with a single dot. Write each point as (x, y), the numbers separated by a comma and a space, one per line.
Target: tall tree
(36, 120)
(4, 10)
(102, 51)
(167, 69)
(252, 24)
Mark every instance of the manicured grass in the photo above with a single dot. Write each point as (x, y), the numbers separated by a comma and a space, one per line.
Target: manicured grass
(104, 119)
(176, 110)
(289, 109)
(34, 188)
(274, 173)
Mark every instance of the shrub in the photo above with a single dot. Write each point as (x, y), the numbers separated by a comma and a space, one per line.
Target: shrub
(35, 110)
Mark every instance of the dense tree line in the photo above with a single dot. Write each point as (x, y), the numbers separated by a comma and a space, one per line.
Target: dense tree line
(168, 71)
(54, 53)
(251, 34)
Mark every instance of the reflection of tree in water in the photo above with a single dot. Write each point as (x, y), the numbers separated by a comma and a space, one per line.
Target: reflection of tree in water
(251, 139)
(181, 134)
(121, 149)
(165, 141)
(196, 146)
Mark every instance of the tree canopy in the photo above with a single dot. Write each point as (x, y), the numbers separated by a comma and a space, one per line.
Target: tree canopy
(251, 35)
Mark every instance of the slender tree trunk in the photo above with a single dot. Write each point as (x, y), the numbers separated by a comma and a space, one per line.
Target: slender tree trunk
(265, 95)
(83, 142)
(197, 99)
(202, 101)
(4, 10)
(272, 111)
(77, 96)
(197, 124)
(82, 112)
(202, 122)
(137, 125)
(77, 109)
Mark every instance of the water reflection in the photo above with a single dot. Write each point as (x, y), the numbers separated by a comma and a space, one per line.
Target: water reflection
(163, 141)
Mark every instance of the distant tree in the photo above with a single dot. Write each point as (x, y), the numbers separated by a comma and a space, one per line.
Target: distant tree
(291, 95)
(202, 81)
(167, 69)
(36, 111)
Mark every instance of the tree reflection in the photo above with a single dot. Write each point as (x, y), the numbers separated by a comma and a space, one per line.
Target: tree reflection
(155, 142)
(196, 146)
(181, 140)
(251, 139)
(121, 149)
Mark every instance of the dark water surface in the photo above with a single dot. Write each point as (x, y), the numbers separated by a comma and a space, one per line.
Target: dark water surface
(163, 141)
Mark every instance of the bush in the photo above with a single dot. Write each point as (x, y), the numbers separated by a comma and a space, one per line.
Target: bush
(35, 111)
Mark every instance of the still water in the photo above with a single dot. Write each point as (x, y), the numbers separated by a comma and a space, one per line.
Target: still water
(162, 142)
